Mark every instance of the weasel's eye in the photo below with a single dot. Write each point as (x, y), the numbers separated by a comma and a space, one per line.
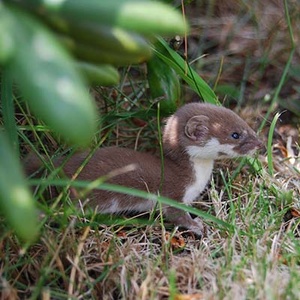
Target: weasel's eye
(235, 135)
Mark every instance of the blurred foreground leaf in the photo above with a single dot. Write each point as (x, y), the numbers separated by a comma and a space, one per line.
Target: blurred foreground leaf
(16, 202)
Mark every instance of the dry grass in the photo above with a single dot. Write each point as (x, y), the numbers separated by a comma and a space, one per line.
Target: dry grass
(79, 257)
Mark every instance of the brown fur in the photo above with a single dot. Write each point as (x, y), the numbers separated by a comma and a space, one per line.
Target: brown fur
(114, 158)
(210, 121)
(192, 125)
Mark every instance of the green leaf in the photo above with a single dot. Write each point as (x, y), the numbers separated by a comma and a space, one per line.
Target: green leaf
(146, 17)
(16, 202)
(50, 82)
(173, 59)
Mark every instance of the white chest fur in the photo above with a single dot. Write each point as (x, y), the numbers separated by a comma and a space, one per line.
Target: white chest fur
(203, 169)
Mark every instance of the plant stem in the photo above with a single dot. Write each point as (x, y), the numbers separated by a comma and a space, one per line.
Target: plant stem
(8, 110)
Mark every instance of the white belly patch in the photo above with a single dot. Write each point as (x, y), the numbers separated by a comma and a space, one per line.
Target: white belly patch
(203, 170)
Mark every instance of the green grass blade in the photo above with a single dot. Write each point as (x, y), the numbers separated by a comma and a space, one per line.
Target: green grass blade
(269, 145)
(99, 184)
(173, 59)
(286, 68)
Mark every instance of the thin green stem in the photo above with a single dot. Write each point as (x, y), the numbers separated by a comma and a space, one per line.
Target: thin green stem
(99, 184)
(286, 68)
(269, 147)
(161, 151)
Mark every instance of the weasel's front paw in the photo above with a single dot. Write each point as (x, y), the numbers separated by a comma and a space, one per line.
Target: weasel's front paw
(198, 227)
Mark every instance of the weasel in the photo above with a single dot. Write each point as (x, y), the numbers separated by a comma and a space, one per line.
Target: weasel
(193, 138)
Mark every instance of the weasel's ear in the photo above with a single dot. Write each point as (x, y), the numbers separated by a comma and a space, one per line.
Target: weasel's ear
(196, 128)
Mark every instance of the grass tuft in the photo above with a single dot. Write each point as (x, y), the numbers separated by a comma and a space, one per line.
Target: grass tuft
(244, 49)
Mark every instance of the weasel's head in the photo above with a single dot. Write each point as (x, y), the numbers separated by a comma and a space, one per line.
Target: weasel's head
(208, 132)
